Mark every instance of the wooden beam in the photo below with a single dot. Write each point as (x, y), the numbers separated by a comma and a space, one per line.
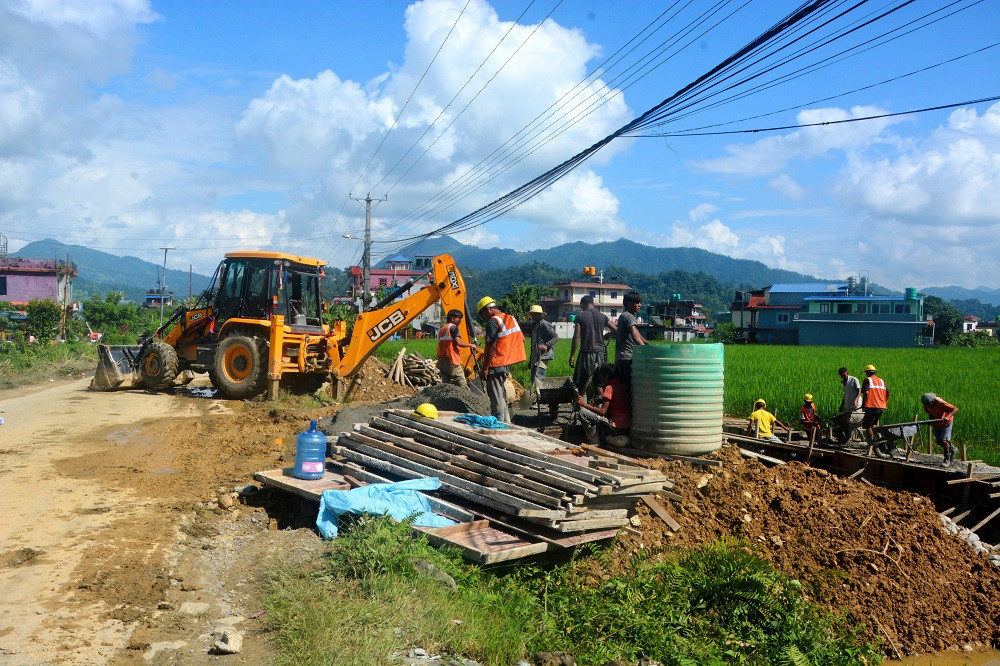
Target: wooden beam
(661, 513)
(975, 528)
(760, 456)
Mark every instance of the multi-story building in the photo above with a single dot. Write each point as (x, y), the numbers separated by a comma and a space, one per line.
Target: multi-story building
(608, 299)
(23, 280)
(844, 315)
(682, 320)
(398, 271)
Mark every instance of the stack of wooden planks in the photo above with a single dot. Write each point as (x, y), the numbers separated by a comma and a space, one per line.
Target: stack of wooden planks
(413, 370)
(500, 474)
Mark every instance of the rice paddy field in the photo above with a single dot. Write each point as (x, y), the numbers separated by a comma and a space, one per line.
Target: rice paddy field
(966, 377)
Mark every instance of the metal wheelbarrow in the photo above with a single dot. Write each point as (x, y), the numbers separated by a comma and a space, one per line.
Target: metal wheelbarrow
(554, 392)
(887, 438)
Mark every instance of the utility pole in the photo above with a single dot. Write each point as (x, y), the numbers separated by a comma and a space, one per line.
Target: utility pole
(366, 265)
(163, 284)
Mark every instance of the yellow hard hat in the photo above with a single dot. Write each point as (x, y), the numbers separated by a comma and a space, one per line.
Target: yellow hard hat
(869, 368)
(535, 308)
(808, 397)
(483, 302)
(761, 401)
(427, 410)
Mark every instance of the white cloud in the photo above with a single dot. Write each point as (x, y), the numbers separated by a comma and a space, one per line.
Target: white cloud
(771, 155)
(701, 211)
(788, 188)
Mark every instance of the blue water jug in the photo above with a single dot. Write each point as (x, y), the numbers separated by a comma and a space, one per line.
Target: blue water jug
(310, 454)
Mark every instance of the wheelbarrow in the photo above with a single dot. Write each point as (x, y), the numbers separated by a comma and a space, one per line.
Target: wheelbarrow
(887, 438)
(553, 392)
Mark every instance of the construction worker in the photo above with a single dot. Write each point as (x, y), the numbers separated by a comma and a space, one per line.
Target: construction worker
(628, 337)
(543, 342)
(588, 337)
(449, 360)
(852, 391)
(761, 420)
(809, 418)
(504, 348)
(610, 421)
(875, 400)
(944, 412)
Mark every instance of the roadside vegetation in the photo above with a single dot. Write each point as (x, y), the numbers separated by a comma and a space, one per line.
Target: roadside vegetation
(782, 374)
(715, 604)
(22, 364)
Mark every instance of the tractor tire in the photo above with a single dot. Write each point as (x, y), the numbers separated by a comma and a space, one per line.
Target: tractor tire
(158, 366)
(240, 367)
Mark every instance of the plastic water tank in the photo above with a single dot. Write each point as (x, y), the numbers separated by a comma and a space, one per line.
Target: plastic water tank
(911, 293)
(677, 398)
(310, 454)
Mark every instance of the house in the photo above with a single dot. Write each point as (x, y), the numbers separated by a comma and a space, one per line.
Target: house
(844, 315)
(970, 323)
(681, 319)
(23, 280)
(398, 271)
(154, 296)
(609, 298)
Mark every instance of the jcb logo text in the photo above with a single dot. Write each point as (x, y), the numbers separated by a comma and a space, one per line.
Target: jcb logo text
(395, 318)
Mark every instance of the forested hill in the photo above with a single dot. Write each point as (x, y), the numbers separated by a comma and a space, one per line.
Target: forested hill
(622, 252)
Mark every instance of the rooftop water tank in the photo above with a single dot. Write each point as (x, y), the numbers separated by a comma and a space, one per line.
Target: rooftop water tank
(677, 398)
(911, 293)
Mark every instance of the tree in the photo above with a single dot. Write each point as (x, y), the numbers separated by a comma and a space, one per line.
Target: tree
(521, 297)
(947, 320)
(724, 332)
(43, 319)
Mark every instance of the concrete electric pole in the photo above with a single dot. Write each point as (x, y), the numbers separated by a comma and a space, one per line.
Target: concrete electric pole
(366, 261)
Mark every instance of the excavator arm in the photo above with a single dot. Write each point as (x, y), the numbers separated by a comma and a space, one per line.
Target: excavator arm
(374, 327)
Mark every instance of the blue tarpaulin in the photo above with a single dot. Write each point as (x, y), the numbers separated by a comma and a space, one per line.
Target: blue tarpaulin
(481, 421)
(396, 500)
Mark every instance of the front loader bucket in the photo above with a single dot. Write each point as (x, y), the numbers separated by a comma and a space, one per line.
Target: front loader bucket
(117, 368)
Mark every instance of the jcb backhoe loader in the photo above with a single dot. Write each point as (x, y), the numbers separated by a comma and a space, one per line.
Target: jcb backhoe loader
(261, 322)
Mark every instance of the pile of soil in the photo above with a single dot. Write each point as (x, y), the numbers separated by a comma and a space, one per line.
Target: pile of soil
(879, 554)
(372, 384)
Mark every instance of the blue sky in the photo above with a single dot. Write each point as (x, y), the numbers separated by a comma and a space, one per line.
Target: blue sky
(129, 125)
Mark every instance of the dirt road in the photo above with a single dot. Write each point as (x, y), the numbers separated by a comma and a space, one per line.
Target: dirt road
(112, 522)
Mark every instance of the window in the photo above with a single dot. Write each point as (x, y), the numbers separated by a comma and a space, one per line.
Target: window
(565, 294)
(614, 295)
(862, 308)
(3, 285)
(593, 294)
(383, 282)
(902, 309)
(782, 318)
(843, 308)
(824, 308)
(881, 308)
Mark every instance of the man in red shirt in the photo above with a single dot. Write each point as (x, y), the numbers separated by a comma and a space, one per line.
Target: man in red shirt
(944, 412)
(611, 420)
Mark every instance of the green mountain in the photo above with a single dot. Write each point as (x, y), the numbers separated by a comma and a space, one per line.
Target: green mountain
(953, 293)
(100, 272)
(743, 273)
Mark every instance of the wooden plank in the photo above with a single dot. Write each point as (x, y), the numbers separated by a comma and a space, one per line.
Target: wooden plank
(592, 524)
(638, 489)
(661, 513)
(760, 456)
(484, 543)
(542, 513)
(964, 479)
(985, 520)
(404, 468)
(470, 481)
(961, 515)
(548, 461)
(309, 489)
(858, 472)
(551, 468)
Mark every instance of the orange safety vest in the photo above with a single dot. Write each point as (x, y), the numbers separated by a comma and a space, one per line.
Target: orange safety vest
(510, 342)
(877, 393)
(446, 349)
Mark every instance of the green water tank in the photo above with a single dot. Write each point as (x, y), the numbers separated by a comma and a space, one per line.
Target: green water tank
(677, 398)
(911, 293)
(572, 318)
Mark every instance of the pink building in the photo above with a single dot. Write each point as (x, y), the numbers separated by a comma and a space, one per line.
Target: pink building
(23, 280)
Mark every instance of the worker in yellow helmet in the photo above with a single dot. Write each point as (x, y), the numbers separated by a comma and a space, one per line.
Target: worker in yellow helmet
(761, 421)
(504, 348)
(809, 418)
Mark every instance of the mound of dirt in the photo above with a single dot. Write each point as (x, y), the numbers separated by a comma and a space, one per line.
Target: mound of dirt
(372, 384)
(880, 554)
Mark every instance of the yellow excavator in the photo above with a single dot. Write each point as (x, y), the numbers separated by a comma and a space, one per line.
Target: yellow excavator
(260, 323)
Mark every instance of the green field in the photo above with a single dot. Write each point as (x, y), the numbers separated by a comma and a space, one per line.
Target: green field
(965, 377)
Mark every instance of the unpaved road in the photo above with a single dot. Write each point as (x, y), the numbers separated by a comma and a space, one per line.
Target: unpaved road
(111, 522)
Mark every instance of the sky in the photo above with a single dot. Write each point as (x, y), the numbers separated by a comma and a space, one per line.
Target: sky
(206, 127)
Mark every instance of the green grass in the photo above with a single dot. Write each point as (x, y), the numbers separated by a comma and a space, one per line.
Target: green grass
(782, 374)
(716, 604)
(22, 364)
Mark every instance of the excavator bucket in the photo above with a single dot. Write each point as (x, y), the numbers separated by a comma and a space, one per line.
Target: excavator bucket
(117, 368)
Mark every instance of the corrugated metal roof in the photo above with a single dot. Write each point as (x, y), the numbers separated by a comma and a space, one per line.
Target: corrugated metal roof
(806, 287)
(398, 257)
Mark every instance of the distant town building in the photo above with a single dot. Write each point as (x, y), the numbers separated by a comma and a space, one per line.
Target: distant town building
(608, 299)
(23, 280)
(154, 296)
(398, 271)
(844, 315)
(970, 323)
(681, 319)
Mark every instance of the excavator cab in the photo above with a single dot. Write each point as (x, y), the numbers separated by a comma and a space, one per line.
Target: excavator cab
(254, 287)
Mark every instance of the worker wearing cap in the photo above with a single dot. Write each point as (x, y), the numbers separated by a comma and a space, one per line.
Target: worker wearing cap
(944, 412)
(875, 400)
(543, 342)
(449, 359)
(504, 348)
(761, 420)
(809, 418)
